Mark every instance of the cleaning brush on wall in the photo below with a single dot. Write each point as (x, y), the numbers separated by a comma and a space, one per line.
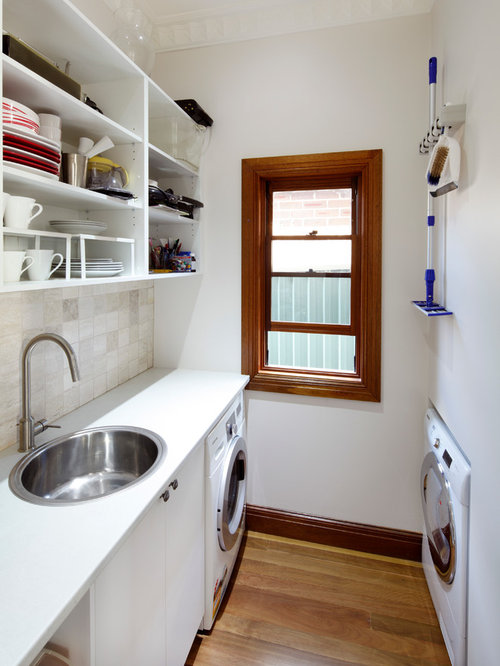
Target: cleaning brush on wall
(444, 165)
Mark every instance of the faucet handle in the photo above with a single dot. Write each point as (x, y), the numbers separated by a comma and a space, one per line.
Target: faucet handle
(42, 426)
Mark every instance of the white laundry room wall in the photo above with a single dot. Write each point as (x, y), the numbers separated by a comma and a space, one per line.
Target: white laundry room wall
(346, 88)
(464, 350)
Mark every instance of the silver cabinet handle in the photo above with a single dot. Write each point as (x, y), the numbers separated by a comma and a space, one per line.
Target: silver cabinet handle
(166, 495)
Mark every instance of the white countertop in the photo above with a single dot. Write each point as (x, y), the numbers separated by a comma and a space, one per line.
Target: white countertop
(50, 555)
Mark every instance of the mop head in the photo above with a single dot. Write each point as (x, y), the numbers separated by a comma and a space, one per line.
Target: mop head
(444, 166)
(431, 310)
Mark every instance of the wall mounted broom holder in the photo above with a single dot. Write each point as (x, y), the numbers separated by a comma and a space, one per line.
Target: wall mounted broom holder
(452, 116)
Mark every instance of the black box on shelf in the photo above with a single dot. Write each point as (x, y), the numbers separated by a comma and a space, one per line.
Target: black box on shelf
(194, 110)
(31, 59)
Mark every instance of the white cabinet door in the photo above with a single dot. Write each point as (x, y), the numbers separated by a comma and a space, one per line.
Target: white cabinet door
(130, 598)
(149, 599)
(185, 558)
(74, 633)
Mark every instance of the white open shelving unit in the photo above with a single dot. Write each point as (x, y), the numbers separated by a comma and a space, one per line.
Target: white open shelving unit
(139, 117)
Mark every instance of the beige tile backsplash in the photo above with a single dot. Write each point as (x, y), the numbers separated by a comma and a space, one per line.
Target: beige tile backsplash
(110, 327)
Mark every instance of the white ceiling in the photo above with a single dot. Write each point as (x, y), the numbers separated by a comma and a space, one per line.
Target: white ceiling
(181, 24)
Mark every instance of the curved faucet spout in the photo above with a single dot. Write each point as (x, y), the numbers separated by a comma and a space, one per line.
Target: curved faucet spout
(27, 426)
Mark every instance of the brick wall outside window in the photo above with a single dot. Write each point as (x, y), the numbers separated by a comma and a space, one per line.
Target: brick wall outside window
(319, 209)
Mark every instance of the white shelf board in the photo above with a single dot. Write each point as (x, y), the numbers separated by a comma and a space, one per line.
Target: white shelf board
(31, 233)
(108, 239)
(173, 275)
(11, 231)
(162, 164)
(59, 30)
(162, 105)
(165, 215)
(55, 193)
(59, 283)
(37, 93)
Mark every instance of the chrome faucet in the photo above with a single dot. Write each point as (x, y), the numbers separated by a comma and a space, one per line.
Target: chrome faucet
(28, 428)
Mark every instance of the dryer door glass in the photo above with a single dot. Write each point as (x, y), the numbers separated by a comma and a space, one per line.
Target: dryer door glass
(231, 506)
(438, 517)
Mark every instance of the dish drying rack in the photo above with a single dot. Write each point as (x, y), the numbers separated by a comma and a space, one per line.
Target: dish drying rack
(451, 117)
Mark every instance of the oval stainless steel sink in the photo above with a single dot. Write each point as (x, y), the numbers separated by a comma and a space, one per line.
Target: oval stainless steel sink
(86, 465)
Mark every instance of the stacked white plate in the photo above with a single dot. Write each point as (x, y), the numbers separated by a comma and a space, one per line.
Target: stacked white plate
(78, 226)
(19, 115)
(101, 267)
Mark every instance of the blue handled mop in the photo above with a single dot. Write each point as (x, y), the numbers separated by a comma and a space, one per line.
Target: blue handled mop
(429, 307)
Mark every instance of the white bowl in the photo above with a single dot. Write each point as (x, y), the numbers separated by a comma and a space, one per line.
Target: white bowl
(50, 120)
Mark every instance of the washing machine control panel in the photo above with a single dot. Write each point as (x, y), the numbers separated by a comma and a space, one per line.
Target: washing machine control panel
(449, 454)
(231, 430)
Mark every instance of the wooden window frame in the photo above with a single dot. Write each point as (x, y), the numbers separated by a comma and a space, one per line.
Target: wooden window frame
(314, 171)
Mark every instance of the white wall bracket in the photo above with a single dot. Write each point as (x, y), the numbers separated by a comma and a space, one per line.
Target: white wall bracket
(451, 116)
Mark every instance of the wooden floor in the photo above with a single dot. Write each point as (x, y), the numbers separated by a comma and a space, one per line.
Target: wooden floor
(294, 603)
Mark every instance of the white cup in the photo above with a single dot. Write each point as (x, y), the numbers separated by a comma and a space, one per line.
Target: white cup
(41, 268)
(13, 261)
(19, 211)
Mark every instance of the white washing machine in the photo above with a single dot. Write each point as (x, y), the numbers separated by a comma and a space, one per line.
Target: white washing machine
(445, 490)
(225, 496)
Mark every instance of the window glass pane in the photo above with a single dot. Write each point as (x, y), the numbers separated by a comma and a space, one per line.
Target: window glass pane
(310, 351)
(300, 213)
(319, 300)
(295, 256)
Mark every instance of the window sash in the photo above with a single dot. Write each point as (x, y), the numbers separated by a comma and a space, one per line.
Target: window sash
(311, 327)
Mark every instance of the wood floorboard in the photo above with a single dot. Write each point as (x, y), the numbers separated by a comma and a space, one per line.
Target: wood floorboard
(354, 570)
(294, 603)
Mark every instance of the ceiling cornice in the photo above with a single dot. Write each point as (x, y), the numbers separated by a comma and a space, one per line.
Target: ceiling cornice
(267, 18)
(253, 19)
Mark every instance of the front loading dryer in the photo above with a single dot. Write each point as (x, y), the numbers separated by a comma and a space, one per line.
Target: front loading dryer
(225, 497)
(445, 491)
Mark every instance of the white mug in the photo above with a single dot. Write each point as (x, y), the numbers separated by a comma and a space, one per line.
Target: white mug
(19, 211)
(41, 268)
(13, 261)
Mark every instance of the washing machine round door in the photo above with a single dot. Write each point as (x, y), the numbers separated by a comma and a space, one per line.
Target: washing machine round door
(232, 493)
(438, 517)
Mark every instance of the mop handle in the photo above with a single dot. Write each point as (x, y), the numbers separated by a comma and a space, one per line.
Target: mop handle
(432, 92)
(429, 272)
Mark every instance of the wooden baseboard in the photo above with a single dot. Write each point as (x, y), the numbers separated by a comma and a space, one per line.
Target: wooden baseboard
(342, 534)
